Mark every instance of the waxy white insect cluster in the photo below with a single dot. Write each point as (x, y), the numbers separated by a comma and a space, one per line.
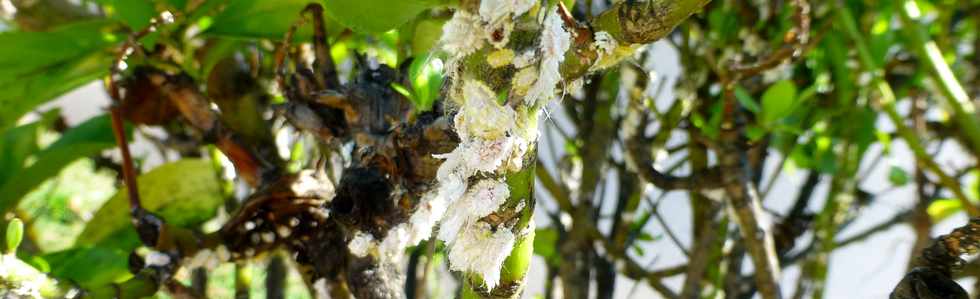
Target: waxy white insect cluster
(494, 138)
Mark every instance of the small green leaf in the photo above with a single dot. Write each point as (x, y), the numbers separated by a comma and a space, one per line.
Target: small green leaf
(897, 176)
(746, 100)
(15, 232)
(941, 208)
(647, 237)
(184, 193)
(635, 230)
(426, 75)
(778, 101)
(376, 16)
(638, 250)
(755, 133)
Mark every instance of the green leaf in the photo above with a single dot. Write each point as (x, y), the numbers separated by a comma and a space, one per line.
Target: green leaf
(263, 19)
(376, 16)
(638, 250)
(185, 193)
(134, 13)
(18, 143)
(58, 61)
(46, 48)
(426, 75)
(746, 100)
(427, 33)
(86, 139)
(545, 244)
(635, 230)
(89, 266)
(897, 176)
(647, 237)
(941, 208)
(15, 233)
(755, 133)
(778, 101)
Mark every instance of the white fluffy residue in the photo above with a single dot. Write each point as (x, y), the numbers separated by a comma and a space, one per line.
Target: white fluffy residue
(362, 244)
(495, 11)
(463, 34)
(524, 79)
(555, 41)
(481, 116)
(156, 258)
(481, 250)
(525, 59)
(308, 184)
(490, 137)
(206, 258)
(320, 289)
(395, 241)
(481, 199)
(469, 157)
(605, 43)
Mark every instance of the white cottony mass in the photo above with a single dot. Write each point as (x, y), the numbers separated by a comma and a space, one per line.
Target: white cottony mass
(555, 41)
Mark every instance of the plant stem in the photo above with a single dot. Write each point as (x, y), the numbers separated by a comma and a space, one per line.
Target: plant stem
(887, 102)
(956, 97)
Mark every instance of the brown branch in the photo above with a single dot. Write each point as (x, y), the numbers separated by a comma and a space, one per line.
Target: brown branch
(637, 154)
(796, 40)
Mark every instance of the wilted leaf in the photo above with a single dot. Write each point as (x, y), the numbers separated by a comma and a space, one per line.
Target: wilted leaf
(185, 193)
(778, 101)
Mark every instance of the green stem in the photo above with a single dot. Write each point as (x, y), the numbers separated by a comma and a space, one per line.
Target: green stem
(956, 97)
(833, 214)
(887, 102)
(514, 270)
